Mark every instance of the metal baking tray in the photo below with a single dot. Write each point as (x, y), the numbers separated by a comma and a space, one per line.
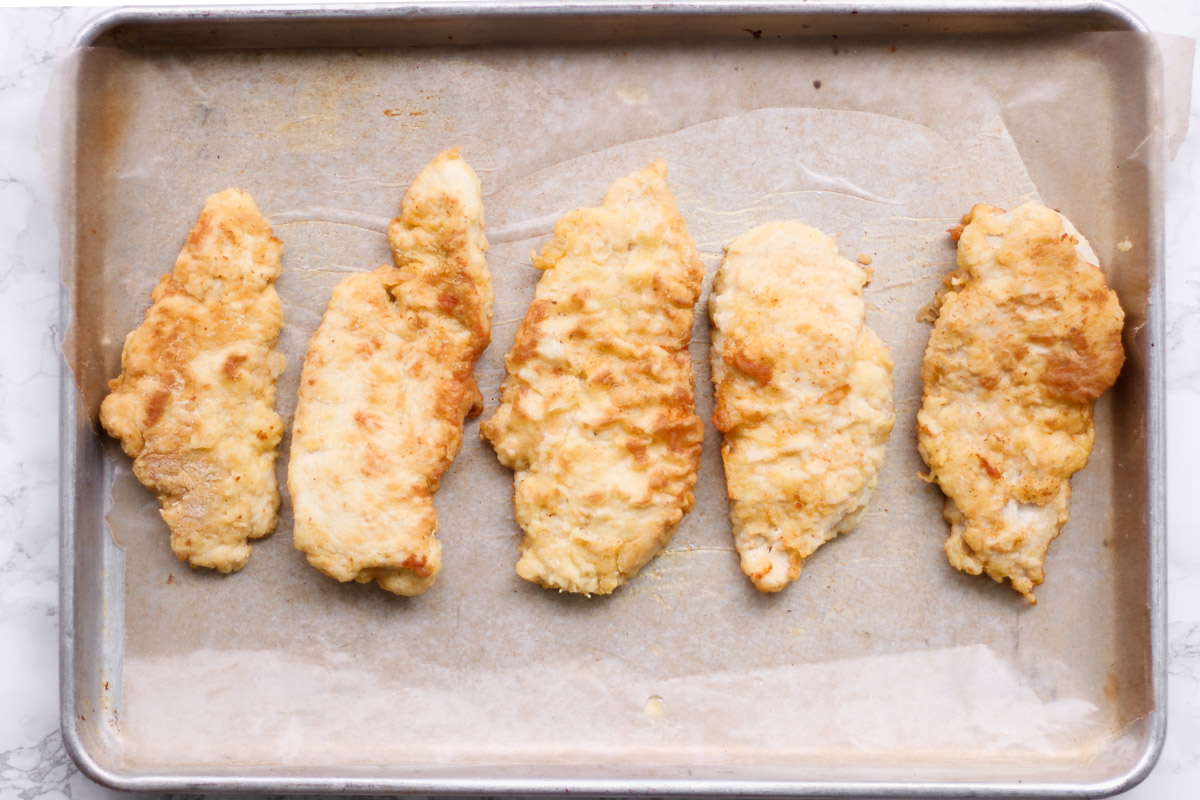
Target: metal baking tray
(882, 672)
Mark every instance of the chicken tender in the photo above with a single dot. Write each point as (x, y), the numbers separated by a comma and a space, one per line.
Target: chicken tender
(596, 414)
(386, 385)
(1027, 337)
(803, 396)
(194, 405)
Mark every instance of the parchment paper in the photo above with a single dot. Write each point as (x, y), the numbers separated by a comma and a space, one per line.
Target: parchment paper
(880, 654)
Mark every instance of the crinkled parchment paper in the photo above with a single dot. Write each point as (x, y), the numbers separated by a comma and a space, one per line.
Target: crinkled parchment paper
(880, 654)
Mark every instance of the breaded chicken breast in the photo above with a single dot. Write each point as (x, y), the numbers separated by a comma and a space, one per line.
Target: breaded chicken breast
(803, 396)
(386, 385)
(194, 405)
(1027, 337)
(596, 414)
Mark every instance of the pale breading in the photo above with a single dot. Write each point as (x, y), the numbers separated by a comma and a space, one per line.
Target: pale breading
(803, 396)
(596, 415)
(386, 385)
(1027, 336)
(194, 405)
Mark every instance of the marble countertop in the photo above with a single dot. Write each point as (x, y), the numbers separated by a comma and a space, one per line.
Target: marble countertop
(33, 763)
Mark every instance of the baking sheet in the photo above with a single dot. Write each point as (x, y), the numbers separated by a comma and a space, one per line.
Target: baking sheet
(880, 655)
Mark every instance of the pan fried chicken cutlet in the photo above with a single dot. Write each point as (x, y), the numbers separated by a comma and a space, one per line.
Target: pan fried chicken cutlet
(194, 405)
(386, 385)
(596, 415)
(1027, 337)
(803, 396)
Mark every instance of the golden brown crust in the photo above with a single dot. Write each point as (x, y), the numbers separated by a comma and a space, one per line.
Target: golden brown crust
(803, 396)
(596, 413)
(1027, 337)
(386, 384)
(194, 404)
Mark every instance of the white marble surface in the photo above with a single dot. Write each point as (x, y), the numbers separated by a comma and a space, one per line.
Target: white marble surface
(33, 763)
